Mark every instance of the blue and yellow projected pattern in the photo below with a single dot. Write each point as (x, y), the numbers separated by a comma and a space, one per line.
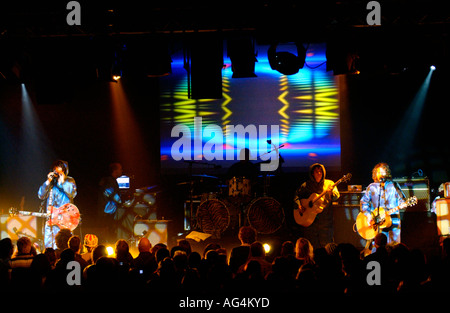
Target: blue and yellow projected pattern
(305, 106)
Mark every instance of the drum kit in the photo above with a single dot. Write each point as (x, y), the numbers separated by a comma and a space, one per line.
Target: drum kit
(215, 208)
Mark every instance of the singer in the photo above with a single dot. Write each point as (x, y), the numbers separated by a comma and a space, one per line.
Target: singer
(57, 190)
(384, 193)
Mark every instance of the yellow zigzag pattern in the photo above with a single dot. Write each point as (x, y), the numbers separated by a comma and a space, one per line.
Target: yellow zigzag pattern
(284, 120)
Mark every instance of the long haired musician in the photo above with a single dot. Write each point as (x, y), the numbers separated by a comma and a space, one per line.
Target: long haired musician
(319, 230)
(58, 190)
(384, 193)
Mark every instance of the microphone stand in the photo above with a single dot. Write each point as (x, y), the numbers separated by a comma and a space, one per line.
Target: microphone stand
(53, 182)
(382, 189)
(377, 215)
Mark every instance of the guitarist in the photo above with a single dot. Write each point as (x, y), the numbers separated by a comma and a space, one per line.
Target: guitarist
(110, 200)
(383, 193)
(320, 232)
(57, 190)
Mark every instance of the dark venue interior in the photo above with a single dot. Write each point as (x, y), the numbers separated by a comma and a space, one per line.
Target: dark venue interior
(112, 87)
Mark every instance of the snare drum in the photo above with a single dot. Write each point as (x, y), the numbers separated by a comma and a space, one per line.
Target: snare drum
(209, 196)
(239, 186)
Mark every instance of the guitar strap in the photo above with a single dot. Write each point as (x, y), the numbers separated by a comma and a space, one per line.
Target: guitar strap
(399, 191)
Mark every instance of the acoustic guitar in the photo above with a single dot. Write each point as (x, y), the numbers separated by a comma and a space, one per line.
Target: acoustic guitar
(307, 209)
(369, 224)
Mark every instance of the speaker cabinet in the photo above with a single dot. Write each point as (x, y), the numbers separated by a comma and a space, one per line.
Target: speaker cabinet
(17, 226)
(155, 230)
(344, 215)
(206, 67)
(419, 231)
(418, 187)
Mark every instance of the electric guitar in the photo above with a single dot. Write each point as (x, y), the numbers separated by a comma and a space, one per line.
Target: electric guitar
(66, 216)
(369, 224)
(307, 209)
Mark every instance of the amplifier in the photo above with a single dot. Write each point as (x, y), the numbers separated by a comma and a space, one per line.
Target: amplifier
(418, 187)
(155, 230)
(443, 216)
(350, 198)
(15, 226)
(345, 211)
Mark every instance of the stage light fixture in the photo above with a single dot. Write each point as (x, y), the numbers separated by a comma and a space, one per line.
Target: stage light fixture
(285, 62)
(267, 247)
(116, 72)
(343, 57)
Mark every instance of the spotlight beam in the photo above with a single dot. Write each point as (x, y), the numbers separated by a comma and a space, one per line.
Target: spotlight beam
(404, 135)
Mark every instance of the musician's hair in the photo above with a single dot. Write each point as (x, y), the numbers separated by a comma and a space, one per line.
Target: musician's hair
(113, 166)
(63, 165)
(385, 166)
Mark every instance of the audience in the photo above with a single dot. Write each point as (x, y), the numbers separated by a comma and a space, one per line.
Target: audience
(239, 255)
(257, 254)
(24, 255)
(90, 242)
(337, 268)
(62, 241)
(74, 244)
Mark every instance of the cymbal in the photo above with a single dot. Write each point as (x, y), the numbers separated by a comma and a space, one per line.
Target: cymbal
(149, 189)
(197, 179)
(205, 176)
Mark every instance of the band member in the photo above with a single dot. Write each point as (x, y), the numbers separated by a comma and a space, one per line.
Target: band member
(320, 232)
(242, 177)
(57, 190)
(384, 193)
(110, 199)
(244, 167)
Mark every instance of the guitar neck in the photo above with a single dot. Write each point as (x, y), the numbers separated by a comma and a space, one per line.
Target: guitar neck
(27, 213)
(393, 210)
(326, 190)
(411, 201)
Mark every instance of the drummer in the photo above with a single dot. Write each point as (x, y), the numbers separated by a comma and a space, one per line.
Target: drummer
(244, 168)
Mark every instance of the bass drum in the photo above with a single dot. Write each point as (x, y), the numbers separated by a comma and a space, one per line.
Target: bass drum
(213, 217)
(265, 215)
